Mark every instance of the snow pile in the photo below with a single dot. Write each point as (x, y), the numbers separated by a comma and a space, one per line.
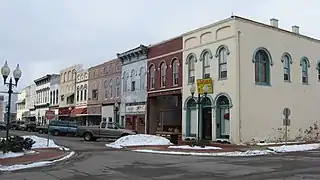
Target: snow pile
(235, 153)
(276, 143)
(13, 155)
(295, 148)
(42, 142)
(195, 147)
(139, 140)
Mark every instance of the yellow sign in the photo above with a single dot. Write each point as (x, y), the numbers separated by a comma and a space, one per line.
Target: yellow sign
(205, 85)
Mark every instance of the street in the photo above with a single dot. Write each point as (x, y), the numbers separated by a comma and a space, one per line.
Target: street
(96, 162)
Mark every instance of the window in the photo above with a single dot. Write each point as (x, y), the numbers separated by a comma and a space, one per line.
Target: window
(81, 94)
(110, 89)
(163, 73)
(51, 97)
(125, 82)
(223, 72)
(286, 67)
(106, 89)
(133, 80)
(78, 89)
(95, 94)
(191, 68)
(262, 67)
(118, 87)
(304, 63)
(57, 96)
(142, 78)
(85, 95)
(175, 72)
(152, 76)
(206, 65)
(318, 71)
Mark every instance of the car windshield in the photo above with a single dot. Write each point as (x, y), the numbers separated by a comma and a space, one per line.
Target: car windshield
(119, 126)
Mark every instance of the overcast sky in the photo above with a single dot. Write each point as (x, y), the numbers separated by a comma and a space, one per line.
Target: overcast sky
(44, 36)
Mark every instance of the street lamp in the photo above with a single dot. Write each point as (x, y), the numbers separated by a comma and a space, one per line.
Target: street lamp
(199, 103)
(5, 71)
(116, 109)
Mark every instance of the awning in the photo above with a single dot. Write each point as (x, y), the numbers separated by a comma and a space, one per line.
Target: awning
(21, 101)
(26, 114)
(79, 111)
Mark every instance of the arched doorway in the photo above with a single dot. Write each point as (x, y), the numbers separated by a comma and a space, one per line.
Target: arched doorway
(206, 123)
(191, 117)
(223, 117)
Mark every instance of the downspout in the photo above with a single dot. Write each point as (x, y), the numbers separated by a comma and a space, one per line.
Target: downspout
(239, 84)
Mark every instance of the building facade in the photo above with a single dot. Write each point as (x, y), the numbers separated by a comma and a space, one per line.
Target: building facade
(164, 87)
(104, 90)
(42, 103)
(21, 104)
(54, 94)
(67, 91)
(30, 99)
(80, 111)
(251, 64)
(134, 94)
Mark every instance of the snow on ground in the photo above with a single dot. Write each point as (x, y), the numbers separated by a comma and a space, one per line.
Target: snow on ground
(276, 143)
(36, 164)
(139, 140)
(235, 153)
(13, 155)
(42, 142)
(295, 148)
(195, 147)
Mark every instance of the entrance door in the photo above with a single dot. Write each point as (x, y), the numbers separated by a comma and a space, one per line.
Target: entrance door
(223, 118)
(206, 119)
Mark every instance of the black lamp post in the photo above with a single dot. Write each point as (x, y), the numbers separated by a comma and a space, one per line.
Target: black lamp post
(199, 103)
(116, 110)
(5, 71)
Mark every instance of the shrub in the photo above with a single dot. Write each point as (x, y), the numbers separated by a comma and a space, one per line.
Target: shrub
(16, 144)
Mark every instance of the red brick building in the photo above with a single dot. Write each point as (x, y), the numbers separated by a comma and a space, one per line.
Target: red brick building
(164, 87)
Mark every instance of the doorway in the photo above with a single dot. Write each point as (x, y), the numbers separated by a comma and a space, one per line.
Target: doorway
(206, 112)
(223, 118)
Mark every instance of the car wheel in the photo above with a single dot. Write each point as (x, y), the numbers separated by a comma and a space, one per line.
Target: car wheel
(56, 133)
(88, 136)
(40, 131)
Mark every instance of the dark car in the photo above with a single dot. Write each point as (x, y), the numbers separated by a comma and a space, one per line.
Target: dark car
(31, 125)
(42, 129)
(3, 125)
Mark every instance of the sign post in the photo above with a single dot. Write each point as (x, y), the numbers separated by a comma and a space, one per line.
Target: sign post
(49, 116)
(286, 122)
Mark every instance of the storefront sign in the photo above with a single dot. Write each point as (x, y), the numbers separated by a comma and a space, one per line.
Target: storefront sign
(136, 109)
(201, 83)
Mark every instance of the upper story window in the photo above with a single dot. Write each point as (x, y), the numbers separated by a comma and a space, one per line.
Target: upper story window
(118, 87)
(110, 89)
(287, 61)
(81, 93)
(262, 63)
(106, 86)
(304, 63)
(191, 60)
(142, 78)
(65, 77)
(152, 74)
(318, 70)
(175, 72)
(163, 73)
(85, 92)
(223, 52)
(133, 80)
(69, 75)
(206, 63)
(57, 96)
(125, 82)
(78, 93)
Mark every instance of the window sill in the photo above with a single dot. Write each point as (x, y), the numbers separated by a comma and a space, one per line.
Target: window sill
(263, 84)
(175, 85)
(305, 83)
(287, 81)
(162, 87)
(222, 79)
(151, 89)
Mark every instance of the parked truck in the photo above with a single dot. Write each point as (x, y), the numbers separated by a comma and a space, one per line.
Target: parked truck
(108, 130)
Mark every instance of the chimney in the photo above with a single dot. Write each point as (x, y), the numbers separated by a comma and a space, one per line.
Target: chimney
(295, 29)
(274, 22)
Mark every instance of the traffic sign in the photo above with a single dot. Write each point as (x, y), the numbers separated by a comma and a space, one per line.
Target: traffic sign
(50, 114)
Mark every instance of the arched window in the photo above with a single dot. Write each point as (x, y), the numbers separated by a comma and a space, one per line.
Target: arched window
(175, 72)
(223, 68)
(74, 73)
(142, 78)
(125, 82)
(54, 97)
(286, 60)
(191, 68)
(262, 63)
(81, 93)
(304, 63)
(110, 89)
(78, 93)
(57, 96)
(65, 77)
(152, 76)
(118, 87)
(206, 65)
(133, 80)
(51, 98)
(318, 70)
(85, 93)
(163, 74)
(69, 76)
(106, 85)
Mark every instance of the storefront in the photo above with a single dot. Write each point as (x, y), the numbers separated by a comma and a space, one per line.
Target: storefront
(94, 115)
(80, 114)
(64, 113)
(135, 115)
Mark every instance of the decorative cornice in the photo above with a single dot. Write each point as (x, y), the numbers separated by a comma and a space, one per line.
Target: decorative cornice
(136, 52)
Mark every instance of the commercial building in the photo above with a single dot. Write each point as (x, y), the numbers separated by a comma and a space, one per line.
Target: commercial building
(134, 94)
(30, 101)
(80, 112)
(21, 104)
(257, 70)
(164, 87)
(54, 94)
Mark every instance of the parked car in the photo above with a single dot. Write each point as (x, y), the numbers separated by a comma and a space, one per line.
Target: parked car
(15, 124)
(109, 130)
(3, 125)
(22, 125)
(31, 125)
(62, 127)
(42, 129)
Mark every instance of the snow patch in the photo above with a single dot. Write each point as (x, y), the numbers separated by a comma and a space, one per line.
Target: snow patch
(139, 140)
(295, 148)
(195, 147)
(42, 142)
(236, 153)
(276, 143)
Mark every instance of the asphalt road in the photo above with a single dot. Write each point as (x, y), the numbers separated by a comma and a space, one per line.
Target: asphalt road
(96, 162)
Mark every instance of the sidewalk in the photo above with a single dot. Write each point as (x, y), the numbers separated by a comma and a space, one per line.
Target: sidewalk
(43, 154)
